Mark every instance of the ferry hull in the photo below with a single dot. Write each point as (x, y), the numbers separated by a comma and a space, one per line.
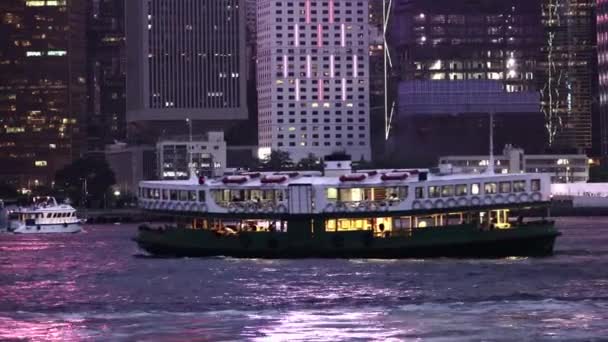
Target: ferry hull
(466, 242)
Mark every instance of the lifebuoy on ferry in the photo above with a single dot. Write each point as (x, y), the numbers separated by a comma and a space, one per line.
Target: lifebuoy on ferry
(340, 207)
(499, 199)
(537, 196)
(463, 202)
(232, 208)
(451, 203)
(329, 208)
(475, 201)
(281, 208)
(512, 198)
(439, 204)
(488, 200)
(428, 204)
(417, 205)
(202, 208)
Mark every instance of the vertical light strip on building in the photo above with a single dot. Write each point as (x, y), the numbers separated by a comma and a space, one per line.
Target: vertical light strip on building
(297, 89)
(308, 67)
(343, 89)
(296, 34)
(307, 11)
(320, 85)
(285, 66)
(331, 11)
(319, 35)
(343, 35)
(355, 67)
(331, 66)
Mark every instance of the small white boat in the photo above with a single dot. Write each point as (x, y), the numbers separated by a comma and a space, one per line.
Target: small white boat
(44, 216)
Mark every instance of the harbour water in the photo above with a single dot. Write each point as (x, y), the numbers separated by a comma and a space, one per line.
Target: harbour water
(98, 286)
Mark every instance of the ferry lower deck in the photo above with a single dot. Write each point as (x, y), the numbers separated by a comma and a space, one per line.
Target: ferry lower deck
(467, 233)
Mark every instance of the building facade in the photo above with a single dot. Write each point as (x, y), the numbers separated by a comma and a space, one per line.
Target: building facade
(567, 73)
(467, 40)
(42, 87)
(312, 76)
(453, 117)
(186, 60)
(106, 120)
(563, 168)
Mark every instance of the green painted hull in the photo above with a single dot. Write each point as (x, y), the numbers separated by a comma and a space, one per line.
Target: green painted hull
(455, 241)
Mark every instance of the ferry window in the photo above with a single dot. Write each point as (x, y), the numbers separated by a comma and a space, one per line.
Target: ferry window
(397, 193)
(447, 191)
(165, 194)
(192, 196)
(505, 187)
(535, 184)
(183, 195)
(519, 186)
(475, 189)
(490, 188)
(434, 191)
(419, 192)
(48, 215)
(201, 196)
(173, 195)
(461, 190)
(156, 193)
(330, 225)
(332, 194)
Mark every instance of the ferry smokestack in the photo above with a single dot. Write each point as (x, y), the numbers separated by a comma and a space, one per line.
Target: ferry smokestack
(336, 165)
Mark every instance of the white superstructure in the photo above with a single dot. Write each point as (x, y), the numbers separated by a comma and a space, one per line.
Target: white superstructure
(45, 216)
(313, 77)
(370, 191)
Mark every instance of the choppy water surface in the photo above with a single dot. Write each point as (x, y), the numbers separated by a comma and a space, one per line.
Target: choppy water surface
(94, 286)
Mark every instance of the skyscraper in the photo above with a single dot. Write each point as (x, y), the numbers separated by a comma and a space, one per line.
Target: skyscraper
(186, 60)
(313, 90)
(602, 52)
(568, 72)
(106, 120)
(42, 87)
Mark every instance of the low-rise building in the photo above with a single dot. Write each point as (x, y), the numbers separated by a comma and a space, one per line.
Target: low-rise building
(206, 152)
(563, 168)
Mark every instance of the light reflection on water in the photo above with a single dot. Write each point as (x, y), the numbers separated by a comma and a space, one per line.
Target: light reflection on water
(91, 287)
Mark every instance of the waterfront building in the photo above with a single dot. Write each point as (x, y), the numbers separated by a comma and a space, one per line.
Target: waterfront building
(106, 81)
(452, 117)
(313, 77)
(42, 88)
(562, 168)
(186, 61)
(206, 153)
(568, 71)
